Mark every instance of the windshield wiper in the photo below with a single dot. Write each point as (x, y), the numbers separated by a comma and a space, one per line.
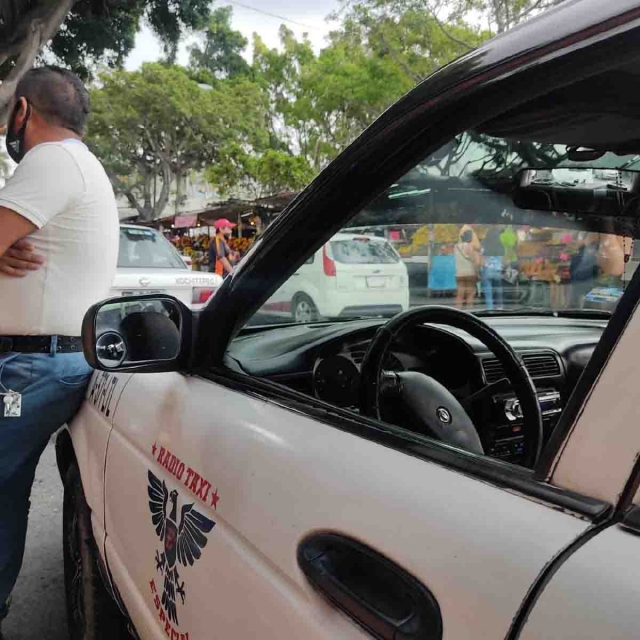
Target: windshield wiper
(550, 313)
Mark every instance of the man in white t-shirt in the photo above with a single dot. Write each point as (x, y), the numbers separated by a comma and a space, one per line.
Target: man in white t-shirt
(60, 203)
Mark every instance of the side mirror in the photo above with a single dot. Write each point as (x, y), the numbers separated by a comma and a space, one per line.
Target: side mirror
(138, 334)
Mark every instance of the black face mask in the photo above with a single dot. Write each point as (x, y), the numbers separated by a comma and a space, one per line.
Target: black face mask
(15, 141)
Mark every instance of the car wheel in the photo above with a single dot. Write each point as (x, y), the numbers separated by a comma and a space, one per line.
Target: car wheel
(304, 310)
(91, 612)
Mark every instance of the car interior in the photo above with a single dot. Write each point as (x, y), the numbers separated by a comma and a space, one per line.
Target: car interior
(576, 213)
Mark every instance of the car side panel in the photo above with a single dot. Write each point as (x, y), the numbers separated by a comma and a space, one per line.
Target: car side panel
(141, 615)
(594, 594)
(89, 432)
(247, 598)
(278, 476)
(311, 280)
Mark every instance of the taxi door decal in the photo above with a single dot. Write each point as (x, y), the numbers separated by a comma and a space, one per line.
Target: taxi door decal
(184, 539)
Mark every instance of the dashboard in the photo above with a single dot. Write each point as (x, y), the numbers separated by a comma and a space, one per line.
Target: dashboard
(324, 361)
(428, 350)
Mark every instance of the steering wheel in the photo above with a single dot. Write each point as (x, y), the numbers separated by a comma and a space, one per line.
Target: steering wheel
(432, 406)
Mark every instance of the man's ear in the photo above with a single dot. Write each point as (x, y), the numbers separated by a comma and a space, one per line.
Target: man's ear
(18, 114)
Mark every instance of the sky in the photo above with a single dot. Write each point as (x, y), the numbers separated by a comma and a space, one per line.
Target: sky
(252, 16)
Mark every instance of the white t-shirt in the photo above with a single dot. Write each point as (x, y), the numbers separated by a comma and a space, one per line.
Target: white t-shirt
(62, 188)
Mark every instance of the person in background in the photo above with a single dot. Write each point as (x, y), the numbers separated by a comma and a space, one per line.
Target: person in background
(221, 257)
(475, 241)
(59, 241)
(493, 253)
(258, 224)
(468, 261)
(611, 252)
(509, 240)
(584, 268)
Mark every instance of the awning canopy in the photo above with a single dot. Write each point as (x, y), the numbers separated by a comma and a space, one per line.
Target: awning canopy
(232, 210)
(235, 210)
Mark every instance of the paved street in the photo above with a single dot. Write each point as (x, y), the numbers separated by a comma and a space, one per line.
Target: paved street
(38, 610)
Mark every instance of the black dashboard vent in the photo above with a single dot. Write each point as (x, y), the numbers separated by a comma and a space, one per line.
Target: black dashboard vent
(357, 353)
(539, 365)
(493, 370)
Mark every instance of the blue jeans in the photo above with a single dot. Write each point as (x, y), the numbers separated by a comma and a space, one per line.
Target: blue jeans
(52, 388)
(492, 281)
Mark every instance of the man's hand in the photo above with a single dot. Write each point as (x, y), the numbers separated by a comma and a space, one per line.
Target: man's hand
(19, 259)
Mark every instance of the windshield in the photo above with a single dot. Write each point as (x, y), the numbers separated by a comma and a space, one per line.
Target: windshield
(146, 249)
(455, 237)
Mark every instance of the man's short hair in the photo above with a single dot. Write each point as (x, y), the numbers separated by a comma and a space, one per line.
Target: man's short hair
(58, 95)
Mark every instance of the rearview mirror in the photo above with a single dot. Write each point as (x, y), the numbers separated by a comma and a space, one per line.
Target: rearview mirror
(580, 190)
(142, 333)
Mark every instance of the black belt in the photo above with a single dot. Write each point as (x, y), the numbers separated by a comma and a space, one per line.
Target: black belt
(40, 344)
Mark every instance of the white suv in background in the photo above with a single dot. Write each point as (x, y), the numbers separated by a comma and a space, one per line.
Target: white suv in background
(149, 263)
(352, 274)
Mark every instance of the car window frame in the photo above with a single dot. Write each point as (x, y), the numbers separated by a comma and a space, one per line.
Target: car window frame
(442, 107)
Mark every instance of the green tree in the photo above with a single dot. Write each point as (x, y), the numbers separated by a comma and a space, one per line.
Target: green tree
(279, 73)
(151, 127)
(259, 175)
(319, 104)
(496, 16)
(220, 48)
(413, 40)
(93, 31)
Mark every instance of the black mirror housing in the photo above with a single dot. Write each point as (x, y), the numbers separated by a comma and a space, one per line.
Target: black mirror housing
(138, 334)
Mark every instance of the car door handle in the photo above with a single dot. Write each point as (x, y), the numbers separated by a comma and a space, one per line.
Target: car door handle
(380, 596)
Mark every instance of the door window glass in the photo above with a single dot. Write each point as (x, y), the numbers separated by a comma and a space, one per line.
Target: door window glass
(449, 233)
(537, 244)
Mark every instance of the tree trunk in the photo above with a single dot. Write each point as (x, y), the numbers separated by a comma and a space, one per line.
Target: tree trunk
(163, 198)
(38, 33)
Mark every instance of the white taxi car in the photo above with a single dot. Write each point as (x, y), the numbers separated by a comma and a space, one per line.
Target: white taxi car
(148, 263)
(442, 474)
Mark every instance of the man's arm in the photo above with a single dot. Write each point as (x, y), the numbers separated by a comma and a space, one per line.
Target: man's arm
(13, 227)
(225, 257)
(19, 259)
(226, 264)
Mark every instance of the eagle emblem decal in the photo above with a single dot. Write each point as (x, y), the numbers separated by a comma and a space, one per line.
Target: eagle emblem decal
(183, 539)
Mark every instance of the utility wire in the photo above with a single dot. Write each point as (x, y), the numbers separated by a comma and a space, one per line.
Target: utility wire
(273, 15)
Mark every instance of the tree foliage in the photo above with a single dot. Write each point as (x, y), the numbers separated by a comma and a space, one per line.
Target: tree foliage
(496, 16)
(81, 33)
(320, 103)
(157, 124)
(220, 48)
(259, 175)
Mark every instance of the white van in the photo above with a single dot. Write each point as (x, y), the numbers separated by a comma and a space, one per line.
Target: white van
(351, 275)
